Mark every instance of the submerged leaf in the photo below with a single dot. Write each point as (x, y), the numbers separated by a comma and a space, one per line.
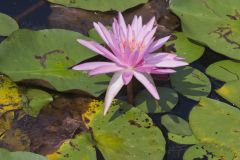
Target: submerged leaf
(5, 122)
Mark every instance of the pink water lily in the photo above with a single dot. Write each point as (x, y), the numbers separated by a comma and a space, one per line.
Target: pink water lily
(130, 50)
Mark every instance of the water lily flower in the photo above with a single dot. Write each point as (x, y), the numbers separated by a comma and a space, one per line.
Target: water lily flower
(131, 53)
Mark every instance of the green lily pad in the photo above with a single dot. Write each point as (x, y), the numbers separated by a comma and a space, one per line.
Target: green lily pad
(148, 104)
(93, 34)
(36, 100)
(80, 147)
(181, 139)
(184, 48)
(48, 55)
(100, 5)
(8, 25)
(209, 152)
(6, 155)
(10, 96)
(125, 132)
(231, 92)
(226, 70)
(212, 23)
(191, 83)
(215, 122)
(176, 125)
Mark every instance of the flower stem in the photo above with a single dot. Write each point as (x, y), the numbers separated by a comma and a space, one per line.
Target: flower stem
(130, 92)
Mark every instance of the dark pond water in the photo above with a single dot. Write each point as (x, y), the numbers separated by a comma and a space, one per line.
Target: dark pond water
(33, 14)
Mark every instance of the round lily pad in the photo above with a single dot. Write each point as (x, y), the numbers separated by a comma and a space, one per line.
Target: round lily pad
(145, 102)
(8, 25)
(181, 139)
(6, 155)
(209, 152)
(211, 22)
(215, 122)
(81, 147)
(124, 133)
(176, 125)
(36, 100)
(49, 55)
(226, 70)
(191, 83)
(100, 5)
(184, 48)
(231, 92)
(93, 34)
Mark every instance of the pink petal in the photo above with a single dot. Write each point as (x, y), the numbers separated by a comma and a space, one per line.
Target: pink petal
(150, 24)
(154, 70)
(98, 49)
(134, 25)
(98, 29)
(114, 87)
(162, 71)
(122, 23)
(105, 69)
(127, 77)
(147, 81)
(158, 57)
(149, 35)
(171, 63)
(139, 23)
(91, 65)
(158, 44)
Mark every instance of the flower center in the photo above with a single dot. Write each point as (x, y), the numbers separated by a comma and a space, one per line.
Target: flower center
(133, 45)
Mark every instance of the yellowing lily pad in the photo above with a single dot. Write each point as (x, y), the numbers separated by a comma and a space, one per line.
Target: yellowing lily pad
(215, 122)
(124, 133)
(8, 25)
(79, 148)
(5, 122)
(11, 98)
(231, 92)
